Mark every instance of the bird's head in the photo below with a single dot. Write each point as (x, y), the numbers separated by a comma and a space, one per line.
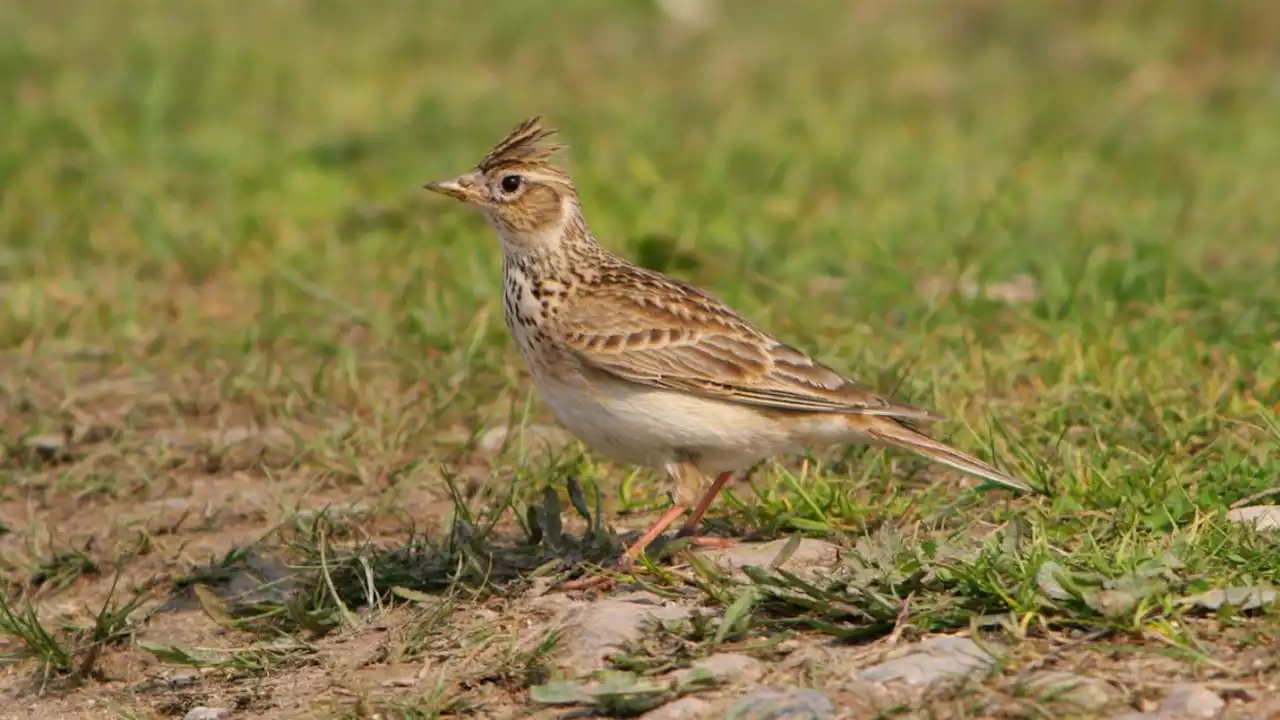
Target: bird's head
(527, 199)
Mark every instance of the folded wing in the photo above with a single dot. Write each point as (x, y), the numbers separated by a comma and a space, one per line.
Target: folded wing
(652, 330)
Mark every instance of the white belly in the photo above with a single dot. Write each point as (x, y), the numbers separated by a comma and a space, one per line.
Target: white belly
(655, 427)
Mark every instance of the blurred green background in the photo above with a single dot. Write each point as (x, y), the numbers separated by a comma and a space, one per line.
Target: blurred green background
(230, 192)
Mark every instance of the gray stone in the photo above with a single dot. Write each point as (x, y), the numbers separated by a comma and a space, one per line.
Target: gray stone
(860, 699)
(1240, 598)
(1113, 602)
(594, 631)
(809, 555)
(207, 713)
(686, 708)
(1190, 701)
(183, 678)
(535, 438)
(1084, 693)
(1262, 517)
(782, 705)
(931, 660)
(724, 668)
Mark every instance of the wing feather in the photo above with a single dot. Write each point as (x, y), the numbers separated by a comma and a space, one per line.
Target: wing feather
(649, 329)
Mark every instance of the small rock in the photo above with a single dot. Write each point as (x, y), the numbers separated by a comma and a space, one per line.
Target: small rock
(782, 705)
(810, 554)
(1085, 693)
(641, 598)
(686, 708)
(931, 660)
(1113, 602)
(594, 631)
(859, 699)
(1240, 598)
(1190, 701)
(1262, 517)
(725, 668)
(207, 713)
(689, 14)
(47, 448)
(534, 437)
(183, 678)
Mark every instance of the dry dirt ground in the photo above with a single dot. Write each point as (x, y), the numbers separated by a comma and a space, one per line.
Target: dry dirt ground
(227, 563)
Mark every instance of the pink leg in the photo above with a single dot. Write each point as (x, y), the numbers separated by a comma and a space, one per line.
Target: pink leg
(600, 582)
(690, 527)
(656, 529)
(718, 543)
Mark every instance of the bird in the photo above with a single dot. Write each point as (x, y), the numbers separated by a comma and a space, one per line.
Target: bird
(652, 371)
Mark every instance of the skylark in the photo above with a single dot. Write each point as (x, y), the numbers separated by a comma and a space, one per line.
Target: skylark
(653, 371)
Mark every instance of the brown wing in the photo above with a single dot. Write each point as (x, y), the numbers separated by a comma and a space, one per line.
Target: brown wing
(650, 329)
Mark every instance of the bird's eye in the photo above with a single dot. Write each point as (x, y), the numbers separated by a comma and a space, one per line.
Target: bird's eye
(510, 183)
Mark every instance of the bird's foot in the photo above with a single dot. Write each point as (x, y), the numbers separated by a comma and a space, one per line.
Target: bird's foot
(716, 543)
(598, 583)
(624, 564)
(603, 582)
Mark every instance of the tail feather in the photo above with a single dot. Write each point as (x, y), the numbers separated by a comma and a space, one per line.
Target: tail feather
(895, 434)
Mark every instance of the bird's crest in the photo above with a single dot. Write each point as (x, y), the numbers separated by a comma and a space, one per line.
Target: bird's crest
(524, 144)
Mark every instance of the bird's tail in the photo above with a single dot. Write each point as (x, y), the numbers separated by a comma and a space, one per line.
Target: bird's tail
(890, 432)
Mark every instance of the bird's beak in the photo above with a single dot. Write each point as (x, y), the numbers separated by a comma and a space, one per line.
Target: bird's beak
(459, 188)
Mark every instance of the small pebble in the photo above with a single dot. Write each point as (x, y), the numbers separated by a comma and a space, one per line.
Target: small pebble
(536, 437)
(726, 668)
(782, 705)
(594, 631)
(207, 713)
(929, 661)
(184, 678)
(1261, 517)
(1190, 701)
(687, 708)
(1084, 693)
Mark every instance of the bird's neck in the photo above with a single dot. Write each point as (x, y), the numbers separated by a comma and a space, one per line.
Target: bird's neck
(565, 254)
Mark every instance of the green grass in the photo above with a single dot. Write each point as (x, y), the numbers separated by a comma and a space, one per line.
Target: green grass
(217, 264)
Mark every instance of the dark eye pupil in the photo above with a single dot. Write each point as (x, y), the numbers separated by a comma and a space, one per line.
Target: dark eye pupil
(511, 183)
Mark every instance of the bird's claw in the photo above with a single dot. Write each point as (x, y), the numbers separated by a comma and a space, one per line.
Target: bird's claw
(717, 543)
(602, 583)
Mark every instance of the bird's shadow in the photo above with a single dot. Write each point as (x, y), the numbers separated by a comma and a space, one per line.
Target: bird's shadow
(313, 573)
